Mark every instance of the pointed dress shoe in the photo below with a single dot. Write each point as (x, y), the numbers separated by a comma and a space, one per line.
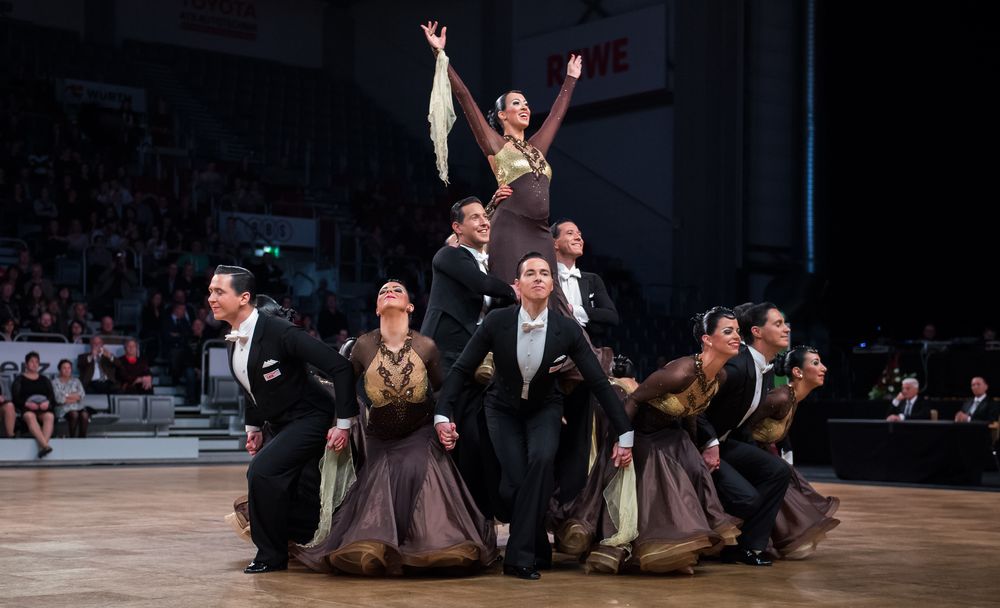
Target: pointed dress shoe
(528, 574)
(739, 555)
(256, 567)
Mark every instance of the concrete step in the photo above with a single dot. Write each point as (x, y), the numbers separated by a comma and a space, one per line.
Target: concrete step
(200, 432)
(191, 423)
(219, 445)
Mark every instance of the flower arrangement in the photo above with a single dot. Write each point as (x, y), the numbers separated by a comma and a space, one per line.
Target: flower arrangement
(889, 383)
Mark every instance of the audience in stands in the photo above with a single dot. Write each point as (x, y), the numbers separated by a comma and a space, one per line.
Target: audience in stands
(69, 394)
(34, 400)
(97, 368)
(134, 376)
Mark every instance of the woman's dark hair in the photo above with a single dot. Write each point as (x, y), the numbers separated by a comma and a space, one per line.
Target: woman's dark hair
(242, 279)
(499, 106)
(622, 367)
(793, 357)
(61, 361)
(266, 305)
(31, 355)
(531, 255)
(752, 315)
(706, 322)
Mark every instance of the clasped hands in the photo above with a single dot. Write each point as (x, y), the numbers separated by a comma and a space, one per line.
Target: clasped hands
(447, 434)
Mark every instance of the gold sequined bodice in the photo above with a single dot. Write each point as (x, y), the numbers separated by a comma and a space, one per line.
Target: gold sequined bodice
(773, 430)
(511, 164)
(693, 400)
(397, 388)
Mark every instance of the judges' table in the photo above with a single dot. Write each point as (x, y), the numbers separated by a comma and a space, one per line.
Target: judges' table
(914, 451)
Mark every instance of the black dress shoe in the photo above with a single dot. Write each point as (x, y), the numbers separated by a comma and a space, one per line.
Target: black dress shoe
(43, 452)
(256, 567)
(529, 574)
(738, 555)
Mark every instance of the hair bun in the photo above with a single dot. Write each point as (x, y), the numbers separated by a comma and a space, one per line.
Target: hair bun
(781, 367)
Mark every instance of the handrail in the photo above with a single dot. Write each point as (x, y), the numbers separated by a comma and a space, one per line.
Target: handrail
(26, 336)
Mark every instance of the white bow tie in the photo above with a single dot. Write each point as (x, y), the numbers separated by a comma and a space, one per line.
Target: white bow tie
(482, 258)
(236, 336)
(566, 273)
(532, 325)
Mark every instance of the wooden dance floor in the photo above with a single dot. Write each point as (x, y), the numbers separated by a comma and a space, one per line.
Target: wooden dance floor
(155, 536)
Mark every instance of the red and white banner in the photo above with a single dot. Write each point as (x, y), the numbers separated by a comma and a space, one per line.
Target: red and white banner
(111, 96)
(288, 31)
(622, 56)
(60, 14)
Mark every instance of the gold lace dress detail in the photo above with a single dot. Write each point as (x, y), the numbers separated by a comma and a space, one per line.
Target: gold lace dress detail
(773, 430)
(397, 387)
(693, 400)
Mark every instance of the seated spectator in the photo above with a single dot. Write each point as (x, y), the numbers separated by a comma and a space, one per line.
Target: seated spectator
(45, 325)
(980, 407)
(64, 302)
(76, 332)
(908, 405)
(196, 257)
(192, 374)
(10, 305)
(9, 413)
(331, 320)
(34, 400)
(97, 368)
(81, 315)
(8, 331)
(69, 400)
(45, 207)
(174, 340)
(115, 280)
(133, 371)
(38, 278)
(77, 240)
(33, 305)
(107, 327)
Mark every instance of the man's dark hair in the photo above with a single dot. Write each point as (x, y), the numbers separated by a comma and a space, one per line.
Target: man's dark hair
(458, 209)
(242, 280)
(752, 315)
(32, 355)
(555, 228)
(530, 256)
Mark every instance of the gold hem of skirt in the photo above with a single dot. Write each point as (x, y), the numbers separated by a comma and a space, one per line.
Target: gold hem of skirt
(373, 558)
(667, 557)
(240, 524)
(805, 545)
(573, 539)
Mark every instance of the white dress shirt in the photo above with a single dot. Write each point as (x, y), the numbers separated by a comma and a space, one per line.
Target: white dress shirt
(907, 407)
(569, 280)
(482, 259)
(530, 346)
(241, 357)
(530, 350)
(760, 367)
(975, 405)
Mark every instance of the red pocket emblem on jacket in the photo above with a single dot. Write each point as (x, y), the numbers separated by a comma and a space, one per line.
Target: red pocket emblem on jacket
(272, 375)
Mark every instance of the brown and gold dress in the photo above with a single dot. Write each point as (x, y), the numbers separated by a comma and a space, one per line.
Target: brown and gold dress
(805, 515)
(680, 516)
(521, 222)
(409, 508)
